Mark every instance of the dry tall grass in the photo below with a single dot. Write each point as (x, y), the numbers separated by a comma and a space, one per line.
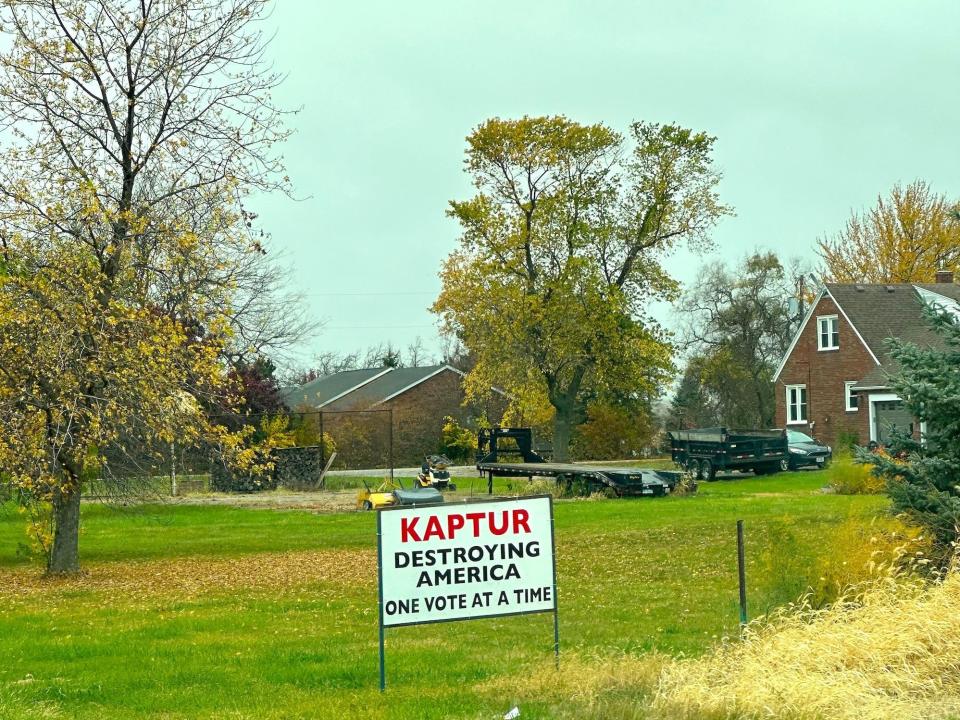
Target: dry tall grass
(864, 552)
(888, 650)
(892, 654)
(612, 687)
(859, 552)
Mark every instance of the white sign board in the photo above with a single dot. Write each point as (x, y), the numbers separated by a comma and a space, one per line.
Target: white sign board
(466, 560)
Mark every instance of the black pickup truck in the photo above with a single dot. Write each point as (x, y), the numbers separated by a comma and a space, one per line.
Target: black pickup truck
(706, 451)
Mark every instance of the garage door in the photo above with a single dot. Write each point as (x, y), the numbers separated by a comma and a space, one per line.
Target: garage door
(891, 416)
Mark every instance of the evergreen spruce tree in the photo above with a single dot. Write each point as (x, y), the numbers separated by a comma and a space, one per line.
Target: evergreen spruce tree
(923, 478)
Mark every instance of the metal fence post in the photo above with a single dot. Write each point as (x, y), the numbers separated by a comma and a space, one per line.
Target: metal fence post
(741, 571)
(391, 445)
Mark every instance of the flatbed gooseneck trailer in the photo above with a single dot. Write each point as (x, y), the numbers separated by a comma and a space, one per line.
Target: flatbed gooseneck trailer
(586, 479)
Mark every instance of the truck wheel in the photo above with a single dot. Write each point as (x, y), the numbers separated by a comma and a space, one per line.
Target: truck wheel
(367, 505)
(697, 469)
(708, 471)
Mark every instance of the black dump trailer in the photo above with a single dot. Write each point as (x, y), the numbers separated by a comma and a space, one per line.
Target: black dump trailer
(575, 479)
(706, 451)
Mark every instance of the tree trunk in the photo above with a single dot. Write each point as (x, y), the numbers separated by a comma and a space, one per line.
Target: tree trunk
(562, 429)
(65, 553)
(566, 412)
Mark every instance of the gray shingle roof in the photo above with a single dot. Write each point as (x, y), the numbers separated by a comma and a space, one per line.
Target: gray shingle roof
(387, 385)
(321, 391)
(879, 377)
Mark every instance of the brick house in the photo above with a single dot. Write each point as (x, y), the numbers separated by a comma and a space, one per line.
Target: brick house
(834, 377)
(357, 407)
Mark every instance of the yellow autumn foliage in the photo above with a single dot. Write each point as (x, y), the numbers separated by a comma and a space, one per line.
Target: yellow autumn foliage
(904, 238)
(126, 244)
(851, 478)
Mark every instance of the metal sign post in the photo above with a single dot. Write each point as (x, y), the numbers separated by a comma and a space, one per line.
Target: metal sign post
(556, 615)
(383, 670)
(466, 561)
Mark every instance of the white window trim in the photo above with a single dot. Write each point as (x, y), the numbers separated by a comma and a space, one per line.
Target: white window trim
(847, 395)
(788, 389)
(825, 292)
(820, 346)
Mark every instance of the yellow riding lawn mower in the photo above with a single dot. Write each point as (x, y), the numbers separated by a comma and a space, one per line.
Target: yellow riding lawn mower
(434, 473)
(389, 493)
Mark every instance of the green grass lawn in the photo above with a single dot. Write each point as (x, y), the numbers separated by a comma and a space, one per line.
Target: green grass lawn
(219, 612)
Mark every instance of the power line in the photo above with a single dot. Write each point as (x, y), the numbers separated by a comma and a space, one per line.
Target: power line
(371, 293)
(374, 327)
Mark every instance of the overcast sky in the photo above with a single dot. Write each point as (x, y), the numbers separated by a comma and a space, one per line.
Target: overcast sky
(817, 109)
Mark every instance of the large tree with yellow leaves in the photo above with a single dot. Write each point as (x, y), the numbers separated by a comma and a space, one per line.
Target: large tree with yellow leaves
(560, 258)
(904, 238)
(135, 130)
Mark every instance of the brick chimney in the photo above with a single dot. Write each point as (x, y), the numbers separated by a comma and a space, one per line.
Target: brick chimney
(945, 276)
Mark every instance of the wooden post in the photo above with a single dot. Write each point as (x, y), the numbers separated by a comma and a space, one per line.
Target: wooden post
(322, 482)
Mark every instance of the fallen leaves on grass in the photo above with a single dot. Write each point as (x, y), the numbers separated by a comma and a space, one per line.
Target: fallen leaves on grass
(192, 576)
(320, 502)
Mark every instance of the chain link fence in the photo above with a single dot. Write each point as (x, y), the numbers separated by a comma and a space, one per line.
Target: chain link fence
(304, 445)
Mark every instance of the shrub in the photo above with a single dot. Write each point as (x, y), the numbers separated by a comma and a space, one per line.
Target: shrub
(853, 478)
(687, 485)
(305, 426)
(540, 486)
(612, 433)
(846, 441)
(457, 442)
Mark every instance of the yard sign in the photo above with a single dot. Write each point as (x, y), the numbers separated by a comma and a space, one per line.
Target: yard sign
(465, 561)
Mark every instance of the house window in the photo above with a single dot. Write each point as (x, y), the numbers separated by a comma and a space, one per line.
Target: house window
(828, 333)
(850, 397)
(796, 404)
